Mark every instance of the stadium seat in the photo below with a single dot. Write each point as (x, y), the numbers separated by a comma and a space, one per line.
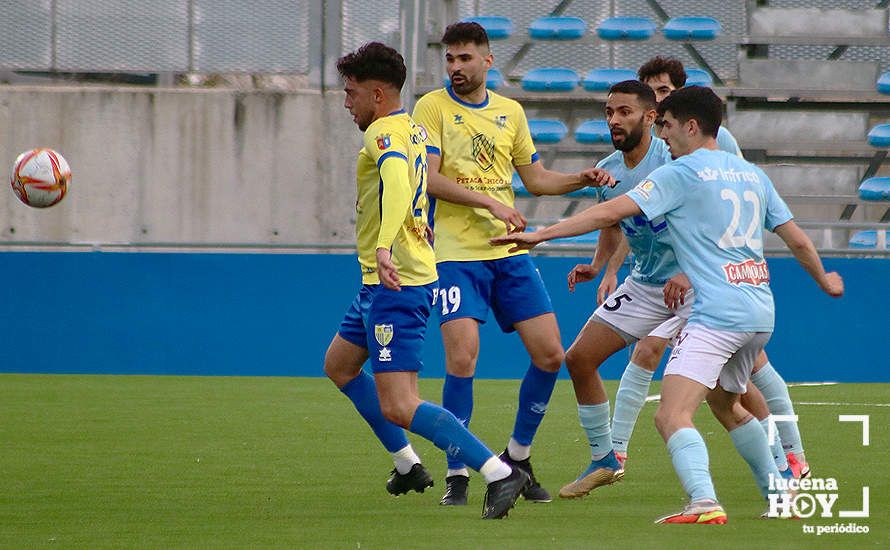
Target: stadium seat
(698, 77)
(547, 130)
(593, 131)
(626, 28)
(557, 28)
(496, 26)
(691, 28)
(601, 79)
(519, 188)
(493, 81)
(875, 189)
(879, 136)
(867, 239)
(884, 83)
(554, 79)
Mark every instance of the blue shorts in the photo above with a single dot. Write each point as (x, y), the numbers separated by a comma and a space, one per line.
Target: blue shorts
(390, 325)
(511, 287)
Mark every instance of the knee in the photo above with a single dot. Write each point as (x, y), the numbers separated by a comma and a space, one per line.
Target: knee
(668, 422)
(461, 363)
(339, 375)
(577, 362)
(647, 355)
(550, 360)
(395, 412)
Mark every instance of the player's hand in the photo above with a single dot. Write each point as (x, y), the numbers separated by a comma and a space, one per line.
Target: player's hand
(386, 270)
(675, 291)
(514, 219)
(607, 286)
(523, 241)
(833, 285)
(581, 273)
(597, 177)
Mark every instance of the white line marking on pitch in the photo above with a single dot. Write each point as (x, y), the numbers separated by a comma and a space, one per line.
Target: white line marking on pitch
(846, 404)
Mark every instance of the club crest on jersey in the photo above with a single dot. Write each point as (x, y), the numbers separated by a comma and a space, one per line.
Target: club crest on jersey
(748, 272)
(483, 152)
(644, 188)
(501, 121)
(383, 334)
(383, 142)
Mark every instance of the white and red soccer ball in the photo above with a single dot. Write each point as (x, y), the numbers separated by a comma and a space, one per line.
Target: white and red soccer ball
(40, 177)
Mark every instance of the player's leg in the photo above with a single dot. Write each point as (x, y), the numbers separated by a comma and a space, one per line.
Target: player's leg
(396, 360)
(343, 365)
(680, 398)
(775, 391)
(633, 389)
(596, 342)
(520, 302)
(753, 401)
(462, 304)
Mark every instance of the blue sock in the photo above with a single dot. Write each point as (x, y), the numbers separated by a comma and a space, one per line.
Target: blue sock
(750, 441)
(457, 397)
(595, 421)
(775, 391)
(534, 395)
(446, 432)
(362, 391)
(629, 400)
(690, 458)
(775, 447)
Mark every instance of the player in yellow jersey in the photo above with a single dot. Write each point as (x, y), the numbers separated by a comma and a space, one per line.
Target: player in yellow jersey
(476, 139)
(387, 321)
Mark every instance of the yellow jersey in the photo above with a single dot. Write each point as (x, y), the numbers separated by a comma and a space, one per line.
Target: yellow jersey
(392, 205)
(479, 145)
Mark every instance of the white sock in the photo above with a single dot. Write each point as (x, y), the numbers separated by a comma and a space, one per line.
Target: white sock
(495, 469)
(518, 452)
(405, 459)
(461, 472)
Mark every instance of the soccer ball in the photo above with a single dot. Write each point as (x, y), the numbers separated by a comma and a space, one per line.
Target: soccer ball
(40, 177)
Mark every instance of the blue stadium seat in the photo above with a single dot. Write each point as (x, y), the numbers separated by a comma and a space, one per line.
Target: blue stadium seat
(698, 77)
(557, 28)
(626, 28)
(496, 26)
(587, 239)
(601, 79)
(879, 136)
(493, 81)
(875, 189)
(866, 239)
(593, 131)
(554, 79)
(691, 28)
(884, 83)
(547, 130)
(519, 188)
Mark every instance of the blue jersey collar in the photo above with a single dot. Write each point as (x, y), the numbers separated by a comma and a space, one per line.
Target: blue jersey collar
(465, 103)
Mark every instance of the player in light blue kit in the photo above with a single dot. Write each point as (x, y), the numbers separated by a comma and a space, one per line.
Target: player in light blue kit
(716, 206)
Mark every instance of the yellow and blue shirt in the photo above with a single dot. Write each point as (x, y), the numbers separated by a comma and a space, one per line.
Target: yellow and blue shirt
(479, 146)
(392, 204)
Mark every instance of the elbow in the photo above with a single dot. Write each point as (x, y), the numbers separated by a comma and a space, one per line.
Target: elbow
(533, 188)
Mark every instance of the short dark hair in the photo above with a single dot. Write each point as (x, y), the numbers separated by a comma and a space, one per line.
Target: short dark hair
(374, 61)
(659, 65)
(695, 102)
(464, 32)
(644, 93)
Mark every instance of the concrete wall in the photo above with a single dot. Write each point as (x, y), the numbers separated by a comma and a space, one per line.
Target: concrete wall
(153, 165)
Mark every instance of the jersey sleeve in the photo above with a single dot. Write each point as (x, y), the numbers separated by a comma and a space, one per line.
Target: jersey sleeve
(428, 115)
(776, 211)
(658, 194)
(389, 151)
(524, 152)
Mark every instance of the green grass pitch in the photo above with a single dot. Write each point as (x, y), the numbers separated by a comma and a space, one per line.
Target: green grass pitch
(204, 462)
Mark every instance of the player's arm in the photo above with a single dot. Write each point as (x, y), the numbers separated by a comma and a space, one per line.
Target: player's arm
(445, 189)
(541, 181)
(608, 242)
(394, 205)
(805, 253)
(616, 260)
(601, 215)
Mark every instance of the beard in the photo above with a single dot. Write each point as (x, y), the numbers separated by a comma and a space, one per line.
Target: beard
(631, 140)
(466, 87)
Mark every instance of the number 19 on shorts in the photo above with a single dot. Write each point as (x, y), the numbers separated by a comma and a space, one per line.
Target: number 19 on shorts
(450, 298)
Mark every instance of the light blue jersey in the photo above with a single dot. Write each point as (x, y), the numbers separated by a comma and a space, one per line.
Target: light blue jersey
(725, 140)
(650, 241)
(716, 206)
